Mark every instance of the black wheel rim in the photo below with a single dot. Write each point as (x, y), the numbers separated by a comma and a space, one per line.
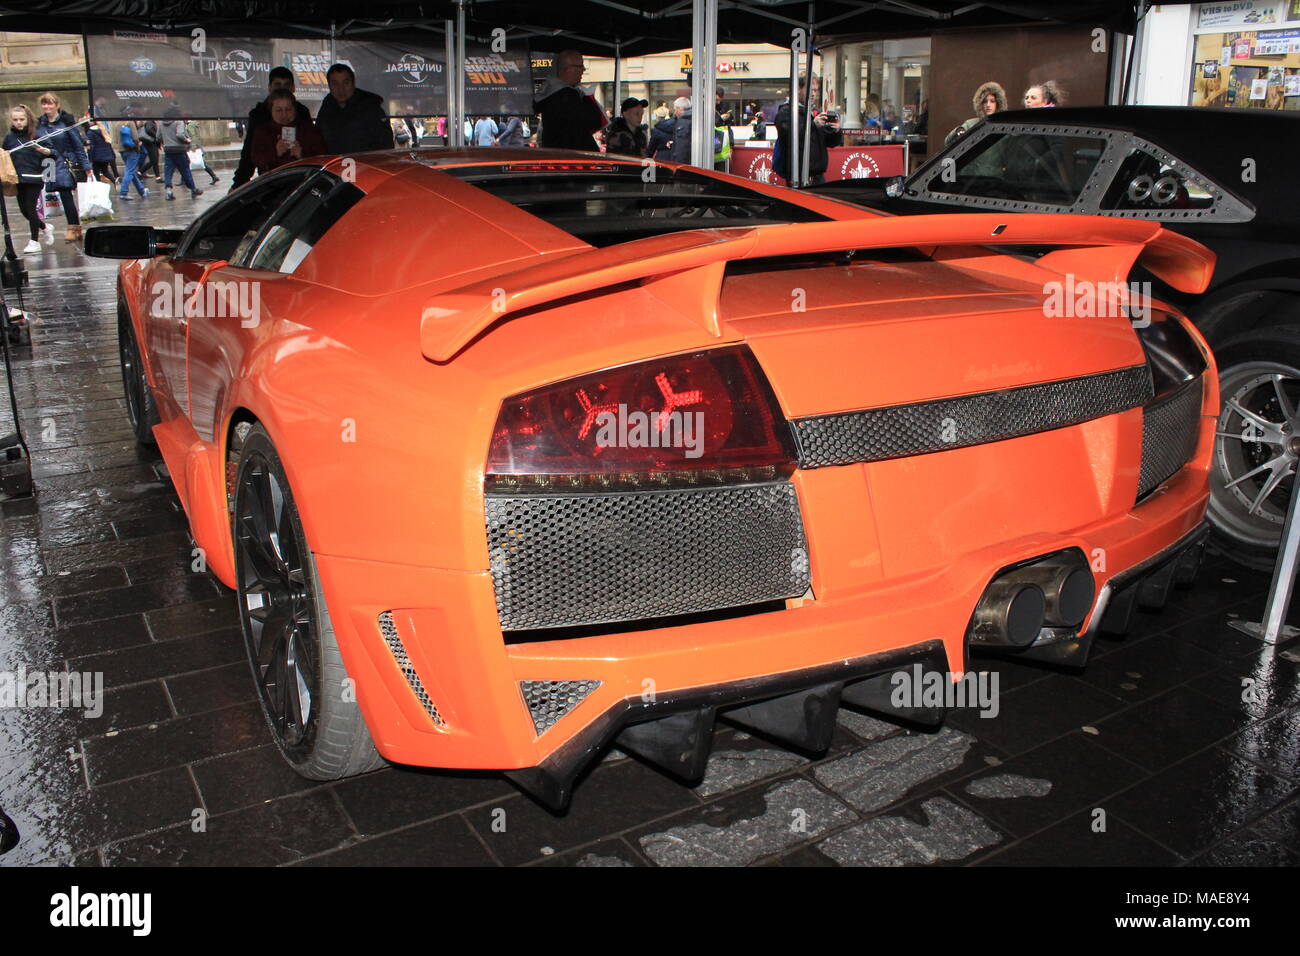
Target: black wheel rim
(131, 379)
(276, 603)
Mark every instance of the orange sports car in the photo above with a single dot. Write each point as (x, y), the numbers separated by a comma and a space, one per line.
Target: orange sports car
(512, 454)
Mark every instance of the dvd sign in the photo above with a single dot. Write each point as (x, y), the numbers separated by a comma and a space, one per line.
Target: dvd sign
(414, 69)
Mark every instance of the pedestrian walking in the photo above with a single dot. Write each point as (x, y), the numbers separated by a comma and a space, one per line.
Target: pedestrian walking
(176, 152)
(128, 144)
(29, 159)
(70, 164)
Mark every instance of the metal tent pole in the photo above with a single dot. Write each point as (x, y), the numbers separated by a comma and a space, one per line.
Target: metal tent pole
(704, 26)
(1135, 49)
(461, 110)
(793, 158)
(453, 110)
(1273, 630)
(806, 162)
(618, 78)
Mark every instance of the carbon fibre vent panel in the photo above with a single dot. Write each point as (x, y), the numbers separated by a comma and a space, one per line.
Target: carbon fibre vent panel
(1171, 427)
(394, 641)
(549, 700)
(570, 560)
(900, 431)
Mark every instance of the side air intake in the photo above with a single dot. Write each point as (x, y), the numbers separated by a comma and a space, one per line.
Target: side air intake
(394, 641)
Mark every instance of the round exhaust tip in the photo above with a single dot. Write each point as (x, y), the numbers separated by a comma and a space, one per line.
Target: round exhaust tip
(1010, 614)
(1024, 615)
(1075, 597)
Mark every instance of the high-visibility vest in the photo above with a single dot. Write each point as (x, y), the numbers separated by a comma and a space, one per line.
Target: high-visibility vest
(721, 144)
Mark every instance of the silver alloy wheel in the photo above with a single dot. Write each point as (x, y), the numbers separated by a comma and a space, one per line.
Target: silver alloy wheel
(1256, 449)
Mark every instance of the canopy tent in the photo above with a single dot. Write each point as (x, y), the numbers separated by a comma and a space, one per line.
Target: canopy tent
(637, 27)
(596, 27)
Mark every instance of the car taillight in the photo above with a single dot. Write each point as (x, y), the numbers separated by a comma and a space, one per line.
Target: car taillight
(704, 418)
(559, 168)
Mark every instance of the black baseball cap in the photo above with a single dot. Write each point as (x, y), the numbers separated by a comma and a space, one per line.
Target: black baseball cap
(630, 102)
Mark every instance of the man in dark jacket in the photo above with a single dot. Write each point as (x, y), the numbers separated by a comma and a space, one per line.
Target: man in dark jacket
(824, 135)
(681, 149)
(660, 146)
(626, 136)
(569, 116)
(279, 78)
(352, 120)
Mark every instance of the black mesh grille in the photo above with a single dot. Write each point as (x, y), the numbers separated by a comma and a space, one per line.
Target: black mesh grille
(1170, 429)
(902, 430)
(569, 560)
(549, 700)
(394, 641)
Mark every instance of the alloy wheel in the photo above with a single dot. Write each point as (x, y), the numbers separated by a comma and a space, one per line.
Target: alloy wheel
(1256, 450)
(276, 603)
(131, 378)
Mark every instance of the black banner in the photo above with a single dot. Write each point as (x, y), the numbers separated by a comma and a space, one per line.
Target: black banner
(224, 77)
(497, 84)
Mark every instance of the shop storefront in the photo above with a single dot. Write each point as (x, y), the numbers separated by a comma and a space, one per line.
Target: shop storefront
(1240, 54)
(747, 75)
(1246, 54)
(882, 84)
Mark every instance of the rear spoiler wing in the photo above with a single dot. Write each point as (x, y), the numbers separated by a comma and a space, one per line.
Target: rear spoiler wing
(1104, 249)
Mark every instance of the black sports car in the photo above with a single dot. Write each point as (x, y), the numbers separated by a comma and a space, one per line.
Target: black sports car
(1227, 178)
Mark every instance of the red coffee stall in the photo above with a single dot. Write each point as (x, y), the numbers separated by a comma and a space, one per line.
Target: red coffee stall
(845, 162)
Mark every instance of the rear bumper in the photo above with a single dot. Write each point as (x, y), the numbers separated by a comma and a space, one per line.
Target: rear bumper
(448, 626)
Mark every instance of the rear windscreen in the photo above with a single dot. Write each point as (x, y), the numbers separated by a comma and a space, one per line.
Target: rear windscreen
(1042, 168)
(630, 202)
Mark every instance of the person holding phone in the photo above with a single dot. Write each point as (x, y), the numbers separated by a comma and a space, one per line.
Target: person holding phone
(287, 137)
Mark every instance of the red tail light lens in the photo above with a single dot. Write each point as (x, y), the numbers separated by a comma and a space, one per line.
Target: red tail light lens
(705, 417)
(559, 168)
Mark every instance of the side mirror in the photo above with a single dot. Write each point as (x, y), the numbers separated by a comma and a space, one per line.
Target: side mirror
(130, 242)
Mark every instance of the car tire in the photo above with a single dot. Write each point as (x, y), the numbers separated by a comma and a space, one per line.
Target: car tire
(291, 647)
(141, 411)
(1257, 444)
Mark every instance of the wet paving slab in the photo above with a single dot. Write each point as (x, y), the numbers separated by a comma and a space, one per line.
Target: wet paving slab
(1178, 745)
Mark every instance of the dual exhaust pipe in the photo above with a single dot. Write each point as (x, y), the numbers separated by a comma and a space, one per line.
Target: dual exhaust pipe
(1055, 592)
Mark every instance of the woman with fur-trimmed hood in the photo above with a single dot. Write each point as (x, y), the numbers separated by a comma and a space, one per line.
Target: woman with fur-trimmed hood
(990, 98)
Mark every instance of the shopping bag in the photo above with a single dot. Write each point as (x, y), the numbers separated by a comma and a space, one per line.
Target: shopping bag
(8, 174)
(93, 200)
(52, 206)
(196, 159)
